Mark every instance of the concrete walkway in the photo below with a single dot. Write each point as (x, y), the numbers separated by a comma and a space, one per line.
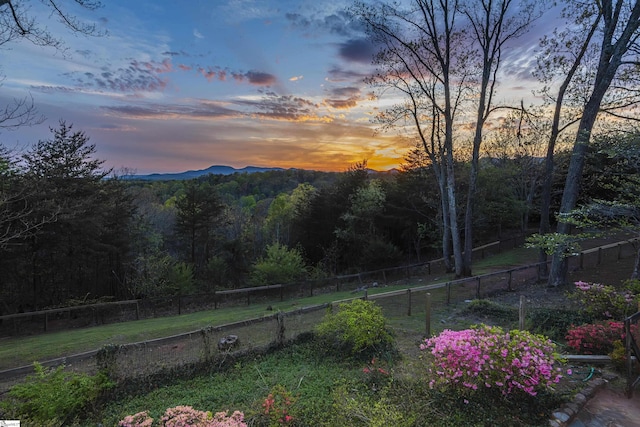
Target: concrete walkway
(609, 408)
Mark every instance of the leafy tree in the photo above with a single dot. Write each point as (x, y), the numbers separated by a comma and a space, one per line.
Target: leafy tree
(279, 218)
(280, 265)
(78, 253)
(198, 210)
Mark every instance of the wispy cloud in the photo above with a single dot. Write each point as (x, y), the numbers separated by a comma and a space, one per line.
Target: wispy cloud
(197, 34)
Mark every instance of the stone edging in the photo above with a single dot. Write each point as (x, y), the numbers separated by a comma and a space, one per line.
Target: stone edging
(562, 417)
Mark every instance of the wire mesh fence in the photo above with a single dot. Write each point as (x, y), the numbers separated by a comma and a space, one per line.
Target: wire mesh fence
(211, 344)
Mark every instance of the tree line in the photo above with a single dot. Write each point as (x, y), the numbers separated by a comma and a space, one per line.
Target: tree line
(71, 230)
(75, 232)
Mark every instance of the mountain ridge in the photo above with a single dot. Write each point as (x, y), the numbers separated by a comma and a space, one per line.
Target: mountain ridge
(190, 174)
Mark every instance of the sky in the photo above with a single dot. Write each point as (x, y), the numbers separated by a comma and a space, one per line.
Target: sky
(176, 86)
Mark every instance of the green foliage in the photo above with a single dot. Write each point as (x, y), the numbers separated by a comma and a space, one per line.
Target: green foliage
(180, 278)
(358, 328)
(352, 409)
(54, 396)
(563, 244)
(244, 387)
(605, 301)
(487, 308)
(281, 265)
(160, 274)
(554, 323)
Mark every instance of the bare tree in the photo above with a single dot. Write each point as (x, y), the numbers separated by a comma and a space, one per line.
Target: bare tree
(443, 57)
(559, 59)
(16, 23)
(618, 23)
(494, 24)
(420, 58)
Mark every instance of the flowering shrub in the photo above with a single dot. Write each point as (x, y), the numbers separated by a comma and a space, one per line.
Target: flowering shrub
(604, 302)
(597, 338)
(141, 419)
(277, 406)
(487, 357)
(375, 376)
(186, 416)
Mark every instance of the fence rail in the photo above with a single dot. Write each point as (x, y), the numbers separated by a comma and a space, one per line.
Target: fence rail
(141, 359)
(112, 312)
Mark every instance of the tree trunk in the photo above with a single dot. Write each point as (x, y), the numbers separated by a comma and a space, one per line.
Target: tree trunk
(559, 265)
(453, 218)
(545, 207)
(446, 233)
(636, 267)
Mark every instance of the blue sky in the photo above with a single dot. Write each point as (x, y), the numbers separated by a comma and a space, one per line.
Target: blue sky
(184, 85)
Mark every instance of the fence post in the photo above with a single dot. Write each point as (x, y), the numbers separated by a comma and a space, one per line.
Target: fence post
(429, 267)
(428, 315)
(179, 305)
(137, 311)
(448, 292)
(509, 288)
(384, 276)
(366, 294)
(521, 313)
(409, 301)
(478, 289)
(46, 321)
(280, 337)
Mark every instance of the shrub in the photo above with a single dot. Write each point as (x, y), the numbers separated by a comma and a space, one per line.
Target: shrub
(53, 395)
(351, 409)
(183, 416)
(554, 323)
(281, 265)
(486, 357)
(597, 338)
(604, 301)
(487, 308)
(375, 376)
(357, 328)
(277, 407)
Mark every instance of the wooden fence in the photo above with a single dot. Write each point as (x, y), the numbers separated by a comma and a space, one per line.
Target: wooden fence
(112, 312)
(147, 358)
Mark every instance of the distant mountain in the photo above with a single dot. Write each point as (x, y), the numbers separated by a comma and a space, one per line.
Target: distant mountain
(214, 170)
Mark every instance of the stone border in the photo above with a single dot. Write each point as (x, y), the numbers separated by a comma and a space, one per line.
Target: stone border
(562, 417)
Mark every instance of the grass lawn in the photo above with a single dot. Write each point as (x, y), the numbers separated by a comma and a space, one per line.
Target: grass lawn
(22, 351)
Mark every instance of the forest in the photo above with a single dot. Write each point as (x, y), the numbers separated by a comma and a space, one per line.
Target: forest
(73, 232)
(481, 167)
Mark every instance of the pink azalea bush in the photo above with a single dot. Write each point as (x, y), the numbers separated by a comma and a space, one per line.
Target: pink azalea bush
(487, 357)
(186, 416)
(604, 301)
